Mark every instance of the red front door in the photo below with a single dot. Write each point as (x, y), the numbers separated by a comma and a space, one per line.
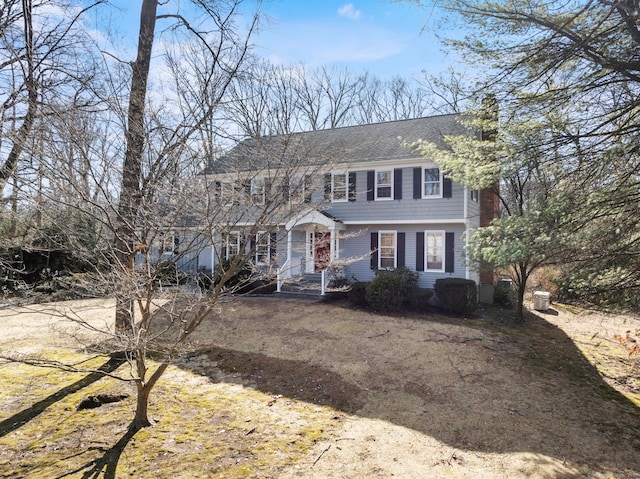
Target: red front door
(321, 250)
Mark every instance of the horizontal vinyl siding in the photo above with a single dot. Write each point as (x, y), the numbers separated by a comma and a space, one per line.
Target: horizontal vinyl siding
(357, 245)
(406, 209)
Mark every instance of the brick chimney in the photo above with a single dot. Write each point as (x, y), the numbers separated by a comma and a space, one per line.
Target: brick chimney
(489, 201)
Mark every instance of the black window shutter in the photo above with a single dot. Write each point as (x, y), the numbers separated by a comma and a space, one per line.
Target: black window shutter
(417, 183)
(307, 188)
(285, 187)
(397, 184)
(446, 188)
(448, 253)
(371, 178)
(374, 250)
(352, 186)
(273, 243)
(401, 250)
(420, 251)
(327, 187)
(252, 247)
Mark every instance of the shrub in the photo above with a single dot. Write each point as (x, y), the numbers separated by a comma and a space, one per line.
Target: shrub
(391, 290)
(338, 290)
(357, 295)
(239, 282)
(504, 293)
(419, 299)
(460, 296)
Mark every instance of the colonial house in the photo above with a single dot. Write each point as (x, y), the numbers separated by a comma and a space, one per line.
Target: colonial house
(355, 199)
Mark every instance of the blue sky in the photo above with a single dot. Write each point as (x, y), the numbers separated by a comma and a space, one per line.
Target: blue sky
(381, 36)
(384, 37)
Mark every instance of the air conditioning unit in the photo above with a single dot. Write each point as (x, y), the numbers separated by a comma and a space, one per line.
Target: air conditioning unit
(541, 300)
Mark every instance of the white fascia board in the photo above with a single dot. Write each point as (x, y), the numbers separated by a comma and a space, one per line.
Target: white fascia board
(373, 164)
(406, 222)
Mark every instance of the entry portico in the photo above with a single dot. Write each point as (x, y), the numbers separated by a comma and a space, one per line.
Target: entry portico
(312, 244)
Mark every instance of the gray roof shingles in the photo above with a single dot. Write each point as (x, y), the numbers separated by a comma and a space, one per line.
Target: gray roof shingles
(352, 144)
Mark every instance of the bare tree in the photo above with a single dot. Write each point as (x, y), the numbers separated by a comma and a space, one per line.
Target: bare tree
(38, 65)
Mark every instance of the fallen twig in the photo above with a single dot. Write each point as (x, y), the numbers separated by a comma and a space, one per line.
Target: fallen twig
(378, 335)
(321, 454)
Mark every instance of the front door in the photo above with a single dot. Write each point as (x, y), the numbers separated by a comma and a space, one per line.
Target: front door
(321, 250)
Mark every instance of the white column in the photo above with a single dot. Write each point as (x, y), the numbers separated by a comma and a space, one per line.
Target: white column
(332, 244)
(213, 255)
(289, 250)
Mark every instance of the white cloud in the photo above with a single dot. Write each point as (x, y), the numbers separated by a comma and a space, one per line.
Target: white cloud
(349, 11)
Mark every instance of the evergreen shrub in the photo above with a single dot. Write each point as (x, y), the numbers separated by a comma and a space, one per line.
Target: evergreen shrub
(457, 295)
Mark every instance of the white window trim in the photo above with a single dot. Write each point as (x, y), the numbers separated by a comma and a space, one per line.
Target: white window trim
(344, 175)
(224, 192)
(474, 195)
(227, 243)
(258, 194)
(423, 182)
(426, 250)
(297, 182)
(268, 245)
(395, 248)
(375, 184)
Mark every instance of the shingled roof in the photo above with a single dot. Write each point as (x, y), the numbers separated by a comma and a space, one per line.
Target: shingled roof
(352, 144)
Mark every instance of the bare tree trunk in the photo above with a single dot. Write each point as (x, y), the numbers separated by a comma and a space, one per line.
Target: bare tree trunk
(132, 167)
(522, 276)
(7, 169)
(141, 418)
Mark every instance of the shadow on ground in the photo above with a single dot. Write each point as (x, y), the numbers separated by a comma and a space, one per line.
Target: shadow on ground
(17, 420)
(473, 385)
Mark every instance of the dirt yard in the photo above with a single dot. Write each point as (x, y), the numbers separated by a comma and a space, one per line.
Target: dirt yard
(422, 396)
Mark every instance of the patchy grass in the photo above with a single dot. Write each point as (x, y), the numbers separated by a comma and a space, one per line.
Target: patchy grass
(286, 390)
(204, 429)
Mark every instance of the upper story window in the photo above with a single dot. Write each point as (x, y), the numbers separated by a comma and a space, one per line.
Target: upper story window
(384, 185)
(223, 191)
(434, 249)
(339, 187)
(258, 190)
(431, 183)
(387, 249)
(298, 189)
(474, 195)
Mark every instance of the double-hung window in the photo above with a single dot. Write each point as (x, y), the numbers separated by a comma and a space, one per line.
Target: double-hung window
(263, 248)
(431, 183)
(224, 191)
(434, 249)
(231, 245)
(297, 189)
(387, 249)
(339, 187)
(258, 190)
(384, 184)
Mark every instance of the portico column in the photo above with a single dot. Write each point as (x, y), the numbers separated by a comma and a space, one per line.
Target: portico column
(332, 244)
(289, 249)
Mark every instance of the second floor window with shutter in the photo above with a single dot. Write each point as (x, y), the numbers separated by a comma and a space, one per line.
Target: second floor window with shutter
(384, 184)
(431, 183)
(339, 185)
(258, 190)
